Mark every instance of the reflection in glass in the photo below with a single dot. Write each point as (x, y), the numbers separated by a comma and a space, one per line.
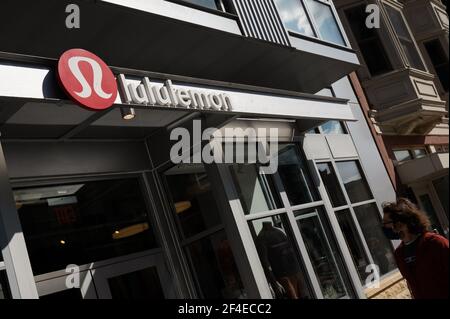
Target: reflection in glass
(441, 187)
(294, 16)
(254, 189)
(326, 22)
(214, 268)
(323, 252)
(333, 127)
(431, 213)
(212, 4)
(4, 287)
(331, 183)
(295, 176)
(354, 181)
(279, 258)
(405, 38)
(354, 243)
(83, 223)
(380, 247)
(402, 155)
(195, 206)
(143, 284)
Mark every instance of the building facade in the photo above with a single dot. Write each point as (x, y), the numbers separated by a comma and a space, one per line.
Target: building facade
(92, 204)
(405, 77)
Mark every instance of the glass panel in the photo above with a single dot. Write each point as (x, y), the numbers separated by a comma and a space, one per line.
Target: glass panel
(439, 60)
(326, 22)
(354, 243)
(431, 213)
(402, 155)
(82, 223)
(4, 287)
(333, 127)
(69, 294)
(368, 41)
(142, 284)
(204, 3)
(354, 181)
(295, 176)
(279, 258)
(294, 16)
(214, 268)
(331, 183)
(254, 189)
(323, 252)
(195, 206)
(441, 187)
(405, 38)
(419, 153)
(380, 247)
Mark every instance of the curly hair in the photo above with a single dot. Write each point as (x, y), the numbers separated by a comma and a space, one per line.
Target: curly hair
(404, 211)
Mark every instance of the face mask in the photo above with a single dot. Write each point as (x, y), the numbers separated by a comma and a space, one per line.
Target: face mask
(391, 234)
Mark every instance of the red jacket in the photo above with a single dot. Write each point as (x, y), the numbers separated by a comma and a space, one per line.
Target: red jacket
(429, 280)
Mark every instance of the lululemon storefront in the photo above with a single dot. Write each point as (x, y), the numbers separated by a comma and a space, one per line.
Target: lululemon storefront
(109, 188)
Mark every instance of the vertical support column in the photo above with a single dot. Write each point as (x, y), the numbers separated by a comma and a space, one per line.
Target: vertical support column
(12, 242)
(238, 233)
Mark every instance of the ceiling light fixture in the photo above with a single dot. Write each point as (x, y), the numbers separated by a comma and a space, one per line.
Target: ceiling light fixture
(128, 113)
(130, 231)
(182, 206)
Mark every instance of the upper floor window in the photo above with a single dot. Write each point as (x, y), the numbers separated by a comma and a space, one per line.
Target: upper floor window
(439, 60)
(403, 155)
(368, 40)
(294, 16)
(405, 38)
(325, 21)
(221, 5)
(312, 18)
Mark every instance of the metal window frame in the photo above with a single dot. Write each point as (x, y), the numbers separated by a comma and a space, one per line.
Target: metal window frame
(394, 35)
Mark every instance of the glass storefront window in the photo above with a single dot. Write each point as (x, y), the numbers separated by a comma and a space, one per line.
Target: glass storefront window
(195, 207)
(354, 181)
(295, 176)
(428, 208)
(255, 190)
(323, 252)
(405, 38)
(380, 247)
(214, 268)
(209, 253)
(326, 21)
(331, 183)
(354, 243)
(279, 257)
(333, 127)
(4, 287)
(441, 187)
(84, 222)
(294, 16)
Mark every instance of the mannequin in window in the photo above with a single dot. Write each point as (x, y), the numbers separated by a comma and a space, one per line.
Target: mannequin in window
(280, 263)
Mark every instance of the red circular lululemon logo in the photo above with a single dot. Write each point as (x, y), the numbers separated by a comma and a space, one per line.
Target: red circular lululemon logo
(87, 79)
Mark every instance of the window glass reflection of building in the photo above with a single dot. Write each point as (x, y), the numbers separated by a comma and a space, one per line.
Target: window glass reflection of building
(279, 258)
(204, 240)
(83, 223)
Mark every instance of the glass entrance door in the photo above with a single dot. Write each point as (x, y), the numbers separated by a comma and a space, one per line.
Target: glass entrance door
(140, 278)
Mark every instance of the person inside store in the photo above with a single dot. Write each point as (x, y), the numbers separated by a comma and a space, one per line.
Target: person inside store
(423, 255)
(280, 262)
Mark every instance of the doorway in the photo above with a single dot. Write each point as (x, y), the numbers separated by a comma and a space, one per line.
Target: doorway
(139, 278)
